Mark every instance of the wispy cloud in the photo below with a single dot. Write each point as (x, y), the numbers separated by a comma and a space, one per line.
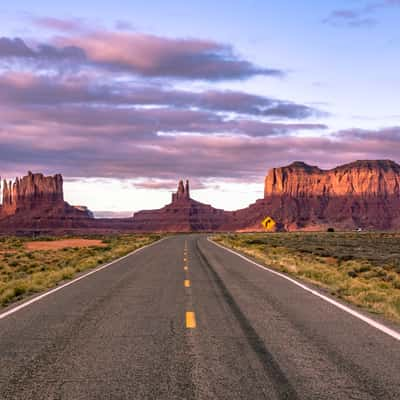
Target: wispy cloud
(63, 25)
(364, 16)
(351, 18)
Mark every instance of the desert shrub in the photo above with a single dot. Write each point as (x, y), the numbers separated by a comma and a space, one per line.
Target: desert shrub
(362, 268)
(23, 272)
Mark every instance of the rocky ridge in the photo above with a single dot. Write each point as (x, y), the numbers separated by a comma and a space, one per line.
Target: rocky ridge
(363, 194)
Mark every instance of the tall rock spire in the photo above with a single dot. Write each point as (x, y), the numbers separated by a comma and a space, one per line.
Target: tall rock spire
(182, 192)
(187, 193)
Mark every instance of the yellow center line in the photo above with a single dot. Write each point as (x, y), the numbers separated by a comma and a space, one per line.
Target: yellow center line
(186, 282)
(190, 320)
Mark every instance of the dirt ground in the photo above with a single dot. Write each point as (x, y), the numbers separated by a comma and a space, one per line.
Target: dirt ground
(61, 244)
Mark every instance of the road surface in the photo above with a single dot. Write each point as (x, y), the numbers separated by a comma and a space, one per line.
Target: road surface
(185, 319)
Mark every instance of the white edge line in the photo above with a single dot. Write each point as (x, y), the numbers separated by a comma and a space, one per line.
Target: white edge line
(93, 271)
(388, 331)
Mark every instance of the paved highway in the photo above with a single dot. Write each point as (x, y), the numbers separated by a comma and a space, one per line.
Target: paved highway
(185, 319)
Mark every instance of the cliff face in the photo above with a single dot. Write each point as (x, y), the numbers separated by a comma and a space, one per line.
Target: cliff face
(361, 178)
(362, 194)
(36, 201)
(31, 191)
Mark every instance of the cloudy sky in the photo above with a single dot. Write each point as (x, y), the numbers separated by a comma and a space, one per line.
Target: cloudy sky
(124, 98)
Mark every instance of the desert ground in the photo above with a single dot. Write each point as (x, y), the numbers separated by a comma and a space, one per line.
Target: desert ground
(360, 268)
(30, 266)
(188, 318)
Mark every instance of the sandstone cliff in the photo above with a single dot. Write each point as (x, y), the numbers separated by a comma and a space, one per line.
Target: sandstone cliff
(33, 190)
(361, 178)
(362, 194)
(37, 201)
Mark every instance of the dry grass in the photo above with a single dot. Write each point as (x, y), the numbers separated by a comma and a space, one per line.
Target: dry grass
(361, 268)
(28, 267)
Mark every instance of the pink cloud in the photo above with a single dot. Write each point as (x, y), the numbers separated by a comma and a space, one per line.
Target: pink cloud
(65, 25)
(164, 159)
(28, 88)
(151, 55)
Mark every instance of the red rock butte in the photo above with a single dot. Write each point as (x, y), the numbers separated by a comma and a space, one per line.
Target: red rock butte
(183, 214)
(362, 194)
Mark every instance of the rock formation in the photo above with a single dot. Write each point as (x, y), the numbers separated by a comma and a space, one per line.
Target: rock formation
(31, 191)
(36, 201)
(183, 214)
(182, 192)
(360, 178)
(363, 194)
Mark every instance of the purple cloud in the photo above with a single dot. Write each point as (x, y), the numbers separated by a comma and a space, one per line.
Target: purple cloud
(139, 54)
(359, 17)
(24, 88)
(117, 152)
(17, 50)
(14, 48)
(64, 25)
(351, 18)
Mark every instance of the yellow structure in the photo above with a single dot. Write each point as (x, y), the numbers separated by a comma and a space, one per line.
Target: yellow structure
(268, 223)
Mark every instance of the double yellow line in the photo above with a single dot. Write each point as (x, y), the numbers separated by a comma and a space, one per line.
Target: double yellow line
(190, 315)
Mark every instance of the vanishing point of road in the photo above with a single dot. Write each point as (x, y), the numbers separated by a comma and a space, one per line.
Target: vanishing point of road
(186, 319)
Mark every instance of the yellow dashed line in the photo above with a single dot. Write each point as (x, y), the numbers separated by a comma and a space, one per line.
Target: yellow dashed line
(190, 320)
(186, 282)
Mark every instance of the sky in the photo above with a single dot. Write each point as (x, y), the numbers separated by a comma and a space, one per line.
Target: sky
(125, 98)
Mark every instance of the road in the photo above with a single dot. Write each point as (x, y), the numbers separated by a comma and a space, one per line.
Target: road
(200, 323)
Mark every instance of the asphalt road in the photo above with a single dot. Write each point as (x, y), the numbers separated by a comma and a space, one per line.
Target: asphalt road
(147, 328)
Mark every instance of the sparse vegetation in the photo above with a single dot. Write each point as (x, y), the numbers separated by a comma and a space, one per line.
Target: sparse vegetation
(24, 272)
(361, 268)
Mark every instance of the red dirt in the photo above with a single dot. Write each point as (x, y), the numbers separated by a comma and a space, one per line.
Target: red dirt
(62, 244)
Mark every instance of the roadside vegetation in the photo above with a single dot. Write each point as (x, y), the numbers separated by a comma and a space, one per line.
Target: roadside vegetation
(28, 267)
(361, 268)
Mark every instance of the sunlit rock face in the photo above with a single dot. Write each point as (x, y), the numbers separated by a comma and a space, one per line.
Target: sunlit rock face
(31, 191)
(362, 178)
(362, 194)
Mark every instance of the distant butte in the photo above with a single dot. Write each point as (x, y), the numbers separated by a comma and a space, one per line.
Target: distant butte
(36, 202)
(183, 214)
(363, 194)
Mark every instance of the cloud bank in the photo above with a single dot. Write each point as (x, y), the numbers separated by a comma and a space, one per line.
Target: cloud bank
(100, 103)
